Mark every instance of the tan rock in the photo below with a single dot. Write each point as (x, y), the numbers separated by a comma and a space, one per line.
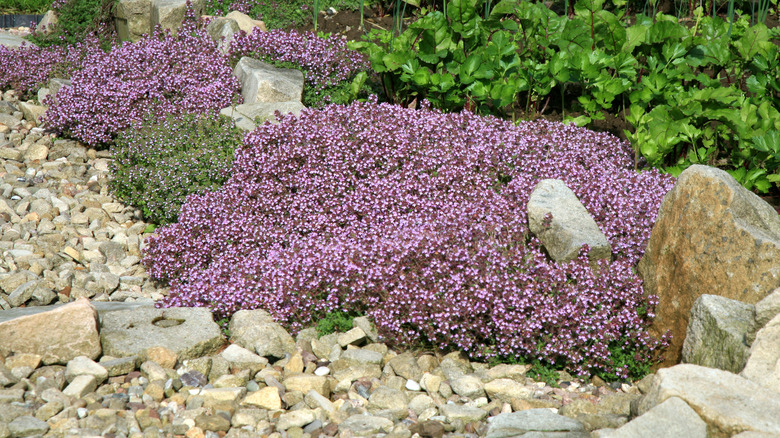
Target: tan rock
(162, 356)
(307, 382)
(763, 364)
(245, 22)
(712, 236)
(58, 335)
(294, 365)
(728, 403)
(266, 398)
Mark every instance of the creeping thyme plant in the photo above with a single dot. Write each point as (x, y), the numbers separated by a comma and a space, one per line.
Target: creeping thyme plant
(418, 219)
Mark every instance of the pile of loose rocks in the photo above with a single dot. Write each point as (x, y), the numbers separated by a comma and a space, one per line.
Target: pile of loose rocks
(62, 235)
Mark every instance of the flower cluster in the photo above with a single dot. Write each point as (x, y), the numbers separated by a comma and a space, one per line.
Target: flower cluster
(27, 68)
(325, 61)
(418, 219)
(160, 74)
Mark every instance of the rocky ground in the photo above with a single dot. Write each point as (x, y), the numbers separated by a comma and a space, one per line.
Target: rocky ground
(63, 236)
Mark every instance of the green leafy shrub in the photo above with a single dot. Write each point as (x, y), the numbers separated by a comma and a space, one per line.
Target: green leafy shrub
(336, 321)
(78, 18)
(157, 166)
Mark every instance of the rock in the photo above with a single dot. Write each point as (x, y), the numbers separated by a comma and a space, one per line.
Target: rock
(405, 365)
(189, 332)
(58, 336)
(256, 331)
(368, 328)
(716, 333)
(13, 41)
(728, 403)
(468, 386)
(47, 23)
(297, 418)
(80, 386)
(222, 30)
(169, 14)
(762, 364)
(354, 336)
(766, 309)
(242, 358)
(307, 382)
(83, 365)
(245, 22)
(506, 389)
(266, 398)
(27, 426)
(262, 82)
(533, 420)
(365, 425)
(32, 113)
(712, 236)
(249, 116)
(388, 399)
(36, 152)
(465, 414)
(562, 223)
(673, 417)
(132, 19)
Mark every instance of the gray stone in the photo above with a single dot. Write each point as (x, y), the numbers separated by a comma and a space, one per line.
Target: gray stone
(388, 399)
(169, 14)
(711, 236)
(454, 366)
(728, 403)
(671, 418)
(466, 414)
(189, 332)
(298, 418)
(531, 420)
(468, 386)
(763, 365)
(766, 309)
(221, 30)
(405, 365)
(27, 426)
(365, 425)
(716, 333)
(32, 113)
(81, 386)
(83, 365)
(13, 41)
(120, 366)
(249, 116)
(244, 359)
(368, 328)
(570, 225)
(256, 331)
(133, 19)
(262, 82)
(507, 389)
(22, 294)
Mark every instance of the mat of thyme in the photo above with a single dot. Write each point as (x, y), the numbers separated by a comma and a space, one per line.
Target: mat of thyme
(413, 217)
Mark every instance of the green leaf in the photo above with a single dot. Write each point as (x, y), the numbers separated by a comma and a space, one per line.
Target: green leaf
(663, 31)
(635, 35)
(504, 7)
(575, 37)
(751, 42)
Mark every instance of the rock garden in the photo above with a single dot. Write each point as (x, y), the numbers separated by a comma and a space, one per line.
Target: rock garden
(212, 226)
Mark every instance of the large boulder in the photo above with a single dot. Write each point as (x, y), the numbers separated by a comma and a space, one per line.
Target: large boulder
(257, 331)
(562, 223)
(673, 417)
(57, 336)
(728, 403)
(262, 82)
(190, 332)
(763, 365)
(133, 19)
(170, 13)
(716, 333)
(712, 236)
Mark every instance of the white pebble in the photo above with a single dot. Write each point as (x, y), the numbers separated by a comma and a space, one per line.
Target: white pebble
(322, 371)
(411, 385)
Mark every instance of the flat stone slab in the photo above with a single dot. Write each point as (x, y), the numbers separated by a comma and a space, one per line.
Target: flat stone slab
(516, 424)
(190, 332)
(13, 41)
(248, 115)
(102, 308)
(728, 403)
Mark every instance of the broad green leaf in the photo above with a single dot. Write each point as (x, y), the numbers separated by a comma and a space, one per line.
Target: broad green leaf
(635, 35)
(394, 61)
(576, 37)
(504, 7)
(752, 41)
(663, 31)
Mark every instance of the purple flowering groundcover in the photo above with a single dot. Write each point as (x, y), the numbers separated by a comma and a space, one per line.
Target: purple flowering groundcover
(418, 219)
